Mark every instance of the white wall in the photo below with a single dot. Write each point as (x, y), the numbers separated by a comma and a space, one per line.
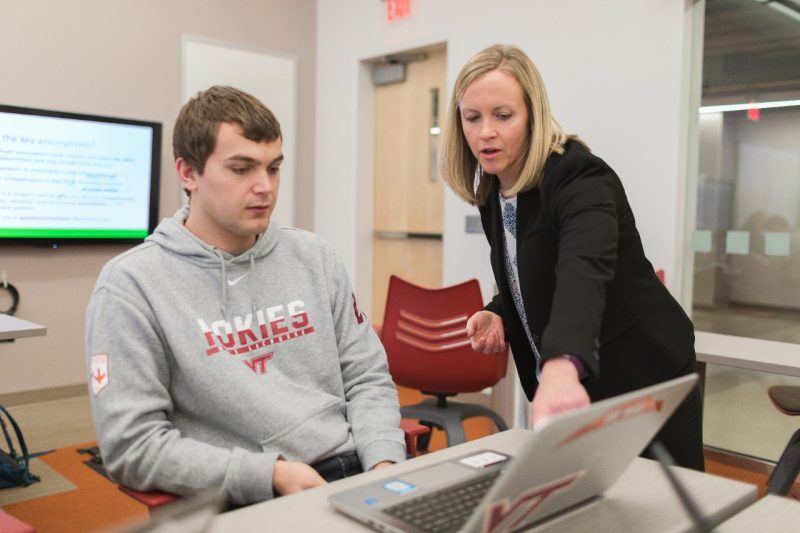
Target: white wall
(614, 71)
(270, 78)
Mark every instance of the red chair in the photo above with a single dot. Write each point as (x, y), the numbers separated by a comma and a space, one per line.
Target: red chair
(154, 499)
(424, 334)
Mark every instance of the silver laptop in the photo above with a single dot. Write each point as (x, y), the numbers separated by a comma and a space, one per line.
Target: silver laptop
(568, 459)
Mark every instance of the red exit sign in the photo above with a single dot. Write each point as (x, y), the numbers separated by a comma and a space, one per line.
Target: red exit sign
(397, 9)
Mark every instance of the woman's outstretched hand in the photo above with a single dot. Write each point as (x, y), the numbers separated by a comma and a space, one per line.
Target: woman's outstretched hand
(485, 330)
(559, 390)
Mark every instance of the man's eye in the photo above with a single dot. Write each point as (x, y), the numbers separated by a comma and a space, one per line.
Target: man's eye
(274, 170)
(239, 170)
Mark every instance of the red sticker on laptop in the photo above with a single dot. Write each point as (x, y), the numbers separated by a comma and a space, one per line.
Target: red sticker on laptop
(98, 369)
(626, 410)
(506, 515)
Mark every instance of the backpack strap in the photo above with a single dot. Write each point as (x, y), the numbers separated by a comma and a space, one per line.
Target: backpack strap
(20, 440)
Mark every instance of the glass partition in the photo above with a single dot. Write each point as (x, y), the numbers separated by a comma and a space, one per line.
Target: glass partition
(746, 243)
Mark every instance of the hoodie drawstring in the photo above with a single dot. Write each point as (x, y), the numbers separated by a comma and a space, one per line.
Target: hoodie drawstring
(223, 281)
(253, 292)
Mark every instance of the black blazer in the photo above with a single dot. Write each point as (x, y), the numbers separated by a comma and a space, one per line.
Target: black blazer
(588, 289)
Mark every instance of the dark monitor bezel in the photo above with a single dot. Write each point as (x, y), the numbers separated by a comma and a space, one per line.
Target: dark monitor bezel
(55, 241)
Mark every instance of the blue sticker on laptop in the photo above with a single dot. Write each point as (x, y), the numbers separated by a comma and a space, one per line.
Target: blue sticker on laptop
(399, 487)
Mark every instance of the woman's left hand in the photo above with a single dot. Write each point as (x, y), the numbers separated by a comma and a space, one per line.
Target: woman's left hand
(559, 390)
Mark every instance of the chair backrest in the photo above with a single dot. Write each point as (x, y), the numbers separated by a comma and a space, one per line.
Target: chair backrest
(424, 334)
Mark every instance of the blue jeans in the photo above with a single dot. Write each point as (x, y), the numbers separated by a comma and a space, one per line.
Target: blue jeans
(338, 466)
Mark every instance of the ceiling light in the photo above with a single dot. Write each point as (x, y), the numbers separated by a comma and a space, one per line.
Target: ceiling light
(745, 107)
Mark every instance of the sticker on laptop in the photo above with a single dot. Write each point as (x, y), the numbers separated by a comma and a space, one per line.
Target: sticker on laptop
(506, 515)
(399, 486)
(483, 459)
(633, 408)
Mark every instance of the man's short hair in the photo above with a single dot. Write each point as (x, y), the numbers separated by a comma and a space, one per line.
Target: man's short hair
(195, 133)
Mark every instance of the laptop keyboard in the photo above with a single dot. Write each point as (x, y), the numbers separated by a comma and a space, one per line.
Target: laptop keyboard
(444, 510)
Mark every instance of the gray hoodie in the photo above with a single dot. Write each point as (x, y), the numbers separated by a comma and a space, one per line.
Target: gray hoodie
(206, 367)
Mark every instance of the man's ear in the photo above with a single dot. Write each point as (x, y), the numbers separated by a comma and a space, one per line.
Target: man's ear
(186, 174)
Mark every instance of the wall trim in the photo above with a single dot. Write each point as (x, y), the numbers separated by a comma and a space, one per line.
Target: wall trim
(43, 395)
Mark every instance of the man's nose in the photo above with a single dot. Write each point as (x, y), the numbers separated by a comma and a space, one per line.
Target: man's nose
(263, 183)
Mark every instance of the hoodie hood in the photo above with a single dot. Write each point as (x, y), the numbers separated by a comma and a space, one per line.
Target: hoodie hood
(172, 235)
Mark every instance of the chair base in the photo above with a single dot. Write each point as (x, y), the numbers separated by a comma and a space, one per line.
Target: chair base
(450, 418)
(786, 469)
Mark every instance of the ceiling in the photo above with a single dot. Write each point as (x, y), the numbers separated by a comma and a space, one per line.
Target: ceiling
(751, 48)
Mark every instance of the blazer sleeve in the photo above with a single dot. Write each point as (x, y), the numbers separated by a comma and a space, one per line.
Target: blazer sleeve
(495, 306)
(581, 202)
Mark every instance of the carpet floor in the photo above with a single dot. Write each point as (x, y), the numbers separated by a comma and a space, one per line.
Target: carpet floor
(93, 504)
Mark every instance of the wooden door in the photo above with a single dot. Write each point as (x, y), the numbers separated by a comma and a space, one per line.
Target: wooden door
(409, 201)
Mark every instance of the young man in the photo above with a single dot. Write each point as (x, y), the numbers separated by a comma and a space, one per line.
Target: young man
(226, 350)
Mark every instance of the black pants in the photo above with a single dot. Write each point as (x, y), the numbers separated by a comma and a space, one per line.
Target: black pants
(338, 466)
(682, 435)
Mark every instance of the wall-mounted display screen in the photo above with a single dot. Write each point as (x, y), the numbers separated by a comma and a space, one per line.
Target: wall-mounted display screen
(66, 177)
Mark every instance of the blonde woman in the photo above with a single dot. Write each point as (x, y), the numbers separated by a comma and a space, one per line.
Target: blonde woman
(584, 312)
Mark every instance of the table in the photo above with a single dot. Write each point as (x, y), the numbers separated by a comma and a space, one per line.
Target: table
(13, 328)
(642, 499)
(748, 354)
(771, 514)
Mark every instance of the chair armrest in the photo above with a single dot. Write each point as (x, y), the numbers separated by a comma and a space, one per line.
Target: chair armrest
(412, 430)
(12, 524)
(152, 499)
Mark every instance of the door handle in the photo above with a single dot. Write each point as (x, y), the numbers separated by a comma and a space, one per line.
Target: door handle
(401, 235)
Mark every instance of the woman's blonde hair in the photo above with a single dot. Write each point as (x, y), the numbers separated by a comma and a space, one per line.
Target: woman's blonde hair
(458, 166)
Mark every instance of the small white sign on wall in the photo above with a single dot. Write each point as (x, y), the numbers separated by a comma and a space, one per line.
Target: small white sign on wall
(777, 243)
(737, 242)
(701, 240)
(270, 78)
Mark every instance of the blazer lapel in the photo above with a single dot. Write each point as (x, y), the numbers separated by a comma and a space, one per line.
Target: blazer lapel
(497, 237)
(528, 212)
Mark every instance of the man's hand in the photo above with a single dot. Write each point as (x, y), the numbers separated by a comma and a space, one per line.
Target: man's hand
(289, 477)
(559, 390)
(382, 464)
(485, 330)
